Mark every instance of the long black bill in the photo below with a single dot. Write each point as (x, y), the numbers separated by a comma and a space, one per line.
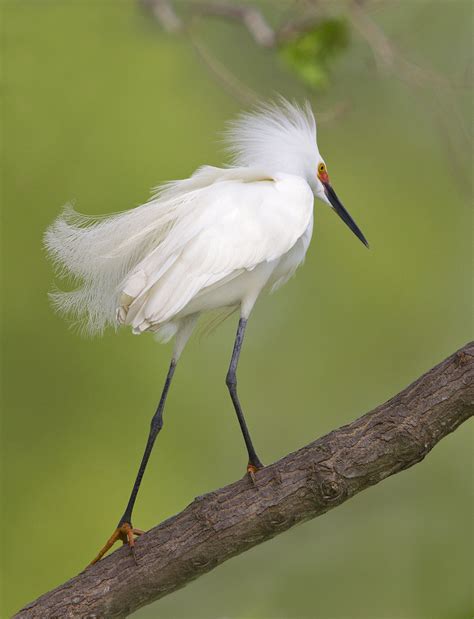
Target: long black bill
(343, 214)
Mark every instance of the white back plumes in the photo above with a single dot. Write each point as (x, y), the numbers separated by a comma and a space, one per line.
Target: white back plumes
(99, 253)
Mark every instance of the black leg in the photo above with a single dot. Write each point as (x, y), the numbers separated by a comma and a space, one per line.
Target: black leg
(231, 381)
(124, 531)
(155, 427)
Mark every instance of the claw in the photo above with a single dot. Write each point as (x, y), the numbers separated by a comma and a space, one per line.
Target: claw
(251, 470)
(125, 532)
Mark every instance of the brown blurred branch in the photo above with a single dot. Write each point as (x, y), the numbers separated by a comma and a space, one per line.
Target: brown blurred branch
(249, 16)
(163, 11)
(301, 486)
(255, 23)
(386, 55)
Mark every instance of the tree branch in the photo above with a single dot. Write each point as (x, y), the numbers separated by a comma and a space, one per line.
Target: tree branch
(303, 485)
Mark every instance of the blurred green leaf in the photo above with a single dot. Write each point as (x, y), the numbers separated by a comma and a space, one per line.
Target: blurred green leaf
(311, 53)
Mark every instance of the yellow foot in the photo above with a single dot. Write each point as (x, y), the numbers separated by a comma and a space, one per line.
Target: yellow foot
(251, 471)
(125, 533)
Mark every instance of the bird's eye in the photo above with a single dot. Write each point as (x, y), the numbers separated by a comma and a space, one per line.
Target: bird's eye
(321, 168)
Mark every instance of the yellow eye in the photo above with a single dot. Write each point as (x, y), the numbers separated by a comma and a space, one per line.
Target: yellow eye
(321, 168)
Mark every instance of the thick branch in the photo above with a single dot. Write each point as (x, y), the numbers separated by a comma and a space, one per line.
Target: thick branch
(303, 485)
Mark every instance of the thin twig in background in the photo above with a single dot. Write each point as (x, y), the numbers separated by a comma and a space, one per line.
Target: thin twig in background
(250, 17)
(163, 11)
(300, 486)
(230, 82)
(447, 115)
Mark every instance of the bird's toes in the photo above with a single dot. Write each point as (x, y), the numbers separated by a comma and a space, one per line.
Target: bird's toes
(251, 472)
(124, 533)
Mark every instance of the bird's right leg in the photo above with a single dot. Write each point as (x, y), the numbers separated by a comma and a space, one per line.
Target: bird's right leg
(124, 531)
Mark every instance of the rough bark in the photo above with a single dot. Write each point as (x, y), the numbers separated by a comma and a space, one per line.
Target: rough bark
(300, 486)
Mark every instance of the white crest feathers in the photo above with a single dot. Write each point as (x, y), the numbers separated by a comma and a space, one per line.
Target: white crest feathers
(279, 136)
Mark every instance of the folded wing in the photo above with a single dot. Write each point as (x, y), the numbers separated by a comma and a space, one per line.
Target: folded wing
(230, 226)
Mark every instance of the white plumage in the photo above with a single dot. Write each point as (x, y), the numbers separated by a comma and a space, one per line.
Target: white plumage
(216, 239)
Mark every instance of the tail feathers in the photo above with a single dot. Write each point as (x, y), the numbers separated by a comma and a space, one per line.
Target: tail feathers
(97, 253)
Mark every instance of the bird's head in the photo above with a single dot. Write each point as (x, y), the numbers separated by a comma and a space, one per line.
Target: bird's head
(281, 137)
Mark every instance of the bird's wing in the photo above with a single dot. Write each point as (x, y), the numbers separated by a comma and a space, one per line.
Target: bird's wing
(229, 226)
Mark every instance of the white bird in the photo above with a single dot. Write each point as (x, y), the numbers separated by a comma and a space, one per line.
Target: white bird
(214, 240)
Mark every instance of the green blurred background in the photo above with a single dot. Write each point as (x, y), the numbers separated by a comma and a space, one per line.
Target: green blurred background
(99, 105)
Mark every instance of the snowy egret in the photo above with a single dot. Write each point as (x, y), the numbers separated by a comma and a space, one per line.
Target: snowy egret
(214, 240)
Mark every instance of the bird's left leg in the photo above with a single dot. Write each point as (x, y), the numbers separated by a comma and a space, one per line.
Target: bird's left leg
(254, 462)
